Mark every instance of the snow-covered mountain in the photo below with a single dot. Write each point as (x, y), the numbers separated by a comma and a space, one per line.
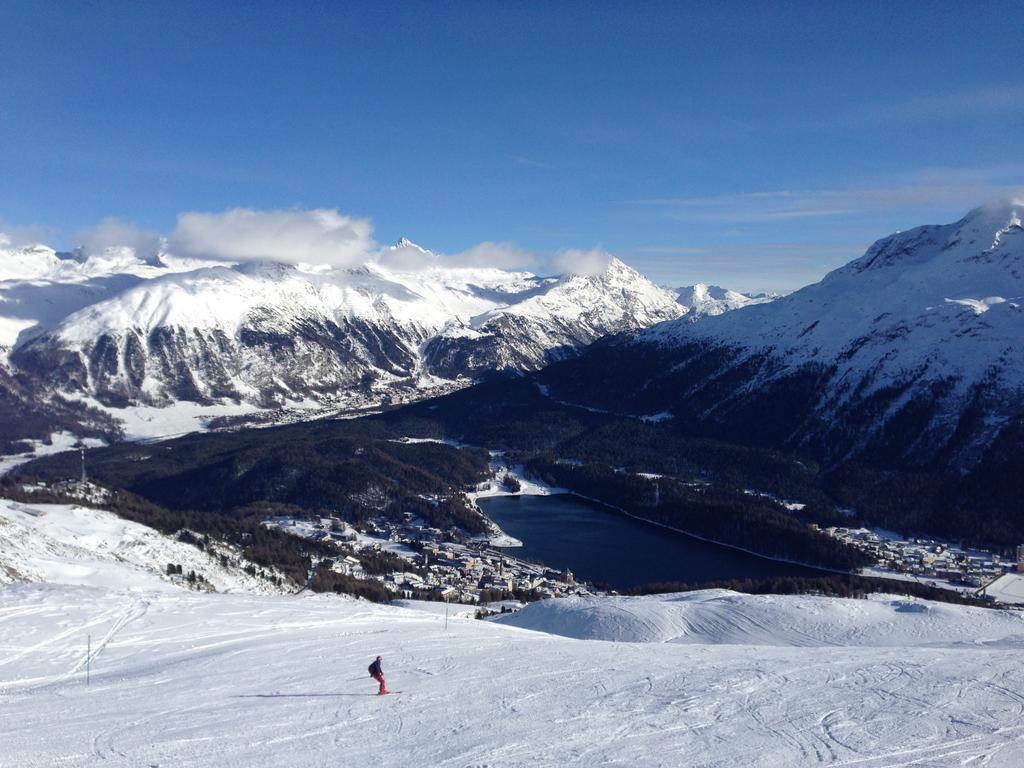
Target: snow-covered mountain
(702, 300)
(550, 320)
(912, 354)
(120, 331)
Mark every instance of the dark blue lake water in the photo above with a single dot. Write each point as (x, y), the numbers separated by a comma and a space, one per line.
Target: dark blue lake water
(604, 546)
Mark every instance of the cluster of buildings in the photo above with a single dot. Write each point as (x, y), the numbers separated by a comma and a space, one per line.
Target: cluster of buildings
(940, 563)
(448, 566)
(475, 572)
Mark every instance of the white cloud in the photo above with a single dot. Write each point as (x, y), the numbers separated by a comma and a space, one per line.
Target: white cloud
(409, 257)
(114, 233)
(319, 236)
(579, 262)
(319, 239)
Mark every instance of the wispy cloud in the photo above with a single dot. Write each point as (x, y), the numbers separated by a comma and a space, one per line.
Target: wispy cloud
(755, 266)
(764, 245)
(741, 252)
(978, 101)
(936, 188)
(530, 162)
(13, 236)
(992, 102)
(581, 262)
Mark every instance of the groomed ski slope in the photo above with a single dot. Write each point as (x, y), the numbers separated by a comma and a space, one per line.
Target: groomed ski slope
(184, 679)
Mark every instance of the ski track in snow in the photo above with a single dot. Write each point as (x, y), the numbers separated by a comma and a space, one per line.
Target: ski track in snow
(244, 680)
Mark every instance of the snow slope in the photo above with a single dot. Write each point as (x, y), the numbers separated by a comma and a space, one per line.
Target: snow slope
(240, 680)
(62, 544)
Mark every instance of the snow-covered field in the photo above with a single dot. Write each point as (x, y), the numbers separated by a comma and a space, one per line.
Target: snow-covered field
(243, 680)
(721, 617)
(143, 422)
(527, 486)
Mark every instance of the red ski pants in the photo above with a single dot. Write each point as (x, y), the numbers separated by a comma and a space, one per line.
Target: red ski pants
(380, 679)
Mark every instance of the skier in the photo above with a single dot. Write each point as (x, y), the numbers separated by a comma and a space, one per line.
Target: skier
(378, 674)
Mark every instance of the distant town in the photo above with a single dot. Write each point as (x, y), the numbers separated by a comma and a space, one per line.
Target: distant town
(447, 564)
(942, 564)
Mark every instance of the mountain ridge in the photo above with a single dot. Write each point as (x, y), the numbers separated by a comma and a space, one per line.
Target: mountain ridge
(908, 356)
(120, 330)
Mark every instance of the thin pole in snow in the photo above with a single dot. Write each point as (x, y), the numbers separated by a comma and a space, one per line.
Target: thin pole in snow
(446, 613)
(88, 657)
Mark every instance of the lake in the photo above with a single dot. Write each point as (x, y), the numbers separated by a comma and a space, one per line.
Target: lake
(603, 546)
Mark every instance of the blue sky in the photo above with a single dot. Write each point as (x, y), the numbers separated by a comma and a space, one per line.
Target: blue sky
(756, 145)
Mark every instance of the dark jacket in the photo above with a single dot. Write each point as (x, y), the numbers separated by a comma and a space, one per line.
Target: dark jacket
(375, 670)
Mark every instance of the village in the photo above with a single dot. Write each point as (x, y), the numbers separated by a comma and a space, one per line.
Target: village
(447, 565)
(939, 563)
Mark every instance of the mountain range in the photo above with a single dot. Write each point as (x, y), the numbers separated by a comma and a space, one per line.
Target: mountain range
(83, 335)
(906, 357)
